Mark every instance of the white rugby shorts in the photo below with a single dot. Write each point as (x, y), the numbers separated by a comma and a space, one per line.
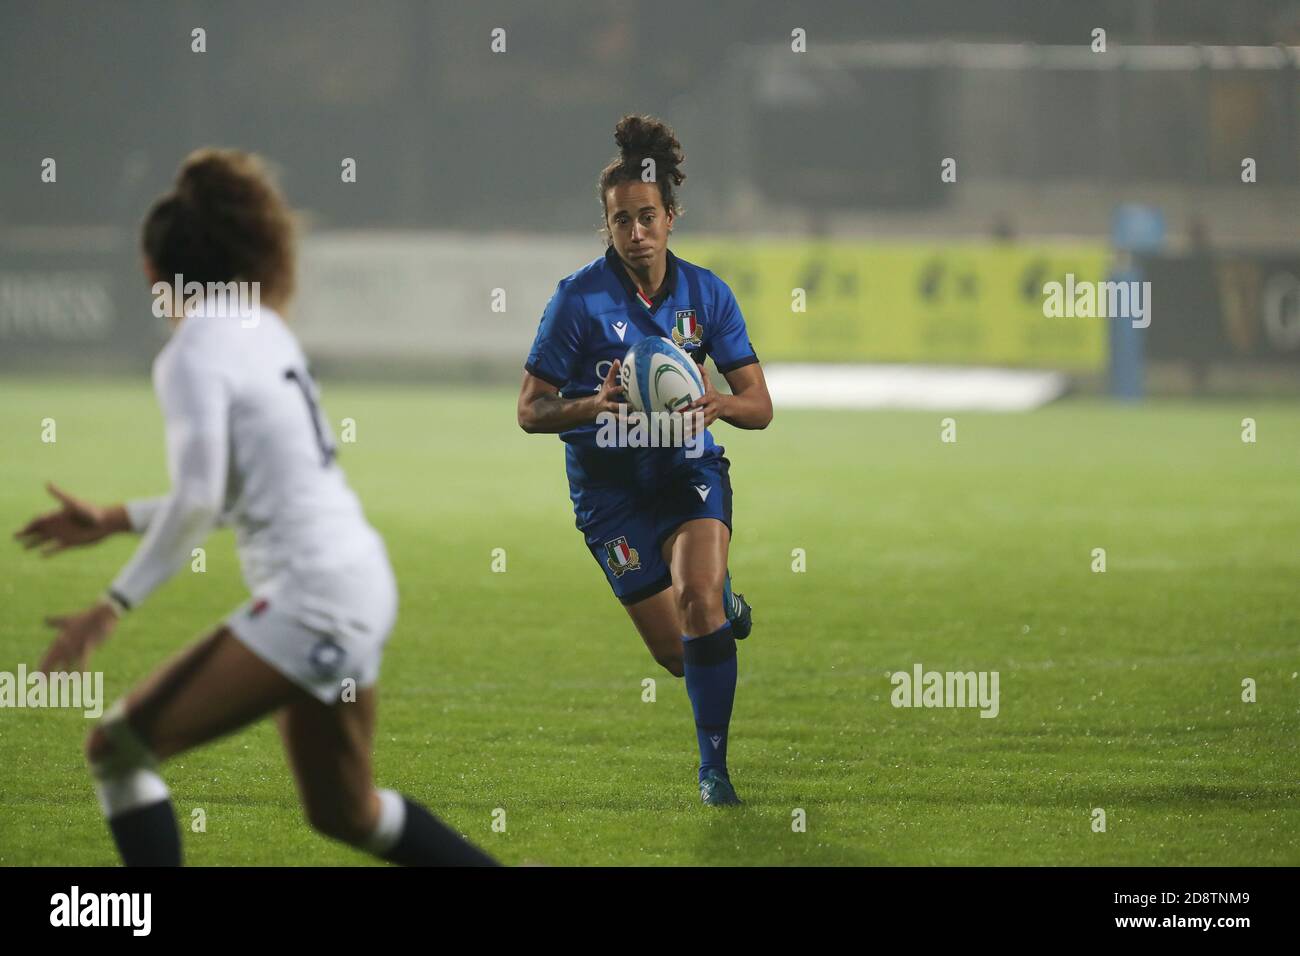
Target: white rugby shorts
(323, 626)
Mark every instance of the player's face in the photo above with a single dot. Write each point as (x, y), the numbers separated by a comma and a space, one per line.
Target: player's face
(637, 223)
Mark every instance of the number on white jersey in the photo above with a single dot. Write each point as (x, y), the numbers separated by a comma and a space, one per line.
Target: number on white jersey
(324, 438)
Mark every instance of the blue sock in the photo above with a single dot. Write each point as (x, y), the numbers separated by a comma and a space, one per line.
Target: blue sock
(711, 685)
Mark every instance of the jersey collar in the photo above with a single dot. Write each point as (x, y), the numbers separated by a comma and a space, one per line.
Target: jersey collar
(669, 284)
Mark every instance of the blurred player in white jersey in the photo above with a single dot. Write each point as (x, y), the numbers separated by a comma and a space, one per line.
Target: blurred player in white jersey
(247, 445)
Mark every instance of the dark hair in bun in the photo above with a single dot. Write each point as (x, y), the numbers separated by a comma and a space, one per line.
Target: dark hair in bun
(640, 138)
(223, 221)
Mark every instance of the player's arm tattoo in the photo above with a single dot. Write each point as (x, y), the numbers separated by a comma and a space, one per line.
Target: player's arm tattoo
(542, 410)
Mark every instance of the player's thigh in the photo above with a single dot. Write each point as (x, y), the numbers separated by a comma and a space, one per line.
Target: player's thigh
(658, 622)
(211, 688)
(696, 553)
(329, 749)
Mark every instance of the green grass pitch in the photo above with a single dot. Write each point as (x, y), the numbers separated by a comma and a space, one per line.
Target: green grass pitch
(523, 690)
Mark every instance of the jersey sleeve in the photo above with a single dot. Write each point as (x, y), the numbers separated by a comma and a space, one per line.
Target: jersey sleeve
(195, 403)
(558, 344)
(729, 339)
(140, 512)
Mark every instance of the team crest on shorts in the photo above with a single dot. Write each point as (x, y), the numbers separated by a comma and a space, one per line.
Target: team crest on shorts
(622, 557)
(327, 656)
(686, 330)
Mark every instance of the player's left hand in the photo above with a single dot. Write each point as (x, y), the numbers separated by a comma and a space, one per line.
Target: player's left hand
(713, 405)
(79, 634)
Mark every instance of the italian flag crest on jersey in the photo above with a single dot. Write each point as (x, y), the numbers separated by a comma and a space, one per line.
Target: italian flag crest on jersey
(686, 330)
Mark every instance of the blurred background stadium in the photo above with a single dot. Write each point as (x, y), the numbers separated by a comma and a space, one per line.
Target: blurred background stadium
(817, 170)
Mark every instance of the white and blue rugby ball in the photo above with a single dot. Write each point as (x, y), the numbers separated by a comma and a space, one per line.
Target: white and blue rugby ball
(658, 376)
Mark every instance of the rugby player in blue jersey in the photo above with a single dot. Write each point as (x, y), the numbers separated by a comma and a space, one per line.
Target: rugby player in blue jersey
(658, 520)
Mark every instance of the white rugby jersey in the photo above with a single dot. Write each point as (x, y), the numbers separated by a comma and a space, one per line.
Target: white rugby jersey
(247, 445)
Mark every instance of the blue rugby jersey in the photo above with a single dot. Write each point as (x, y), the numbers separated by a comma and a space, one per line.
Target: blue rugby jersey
(598, 313)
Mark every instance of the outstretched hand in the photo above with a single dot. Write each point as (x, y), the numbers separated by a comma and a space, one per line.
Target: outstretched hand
(74, 524)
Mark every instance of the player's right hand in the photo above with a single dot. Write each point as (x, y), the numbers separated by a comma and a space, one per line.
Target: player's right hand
(74, 524)
(610, 395)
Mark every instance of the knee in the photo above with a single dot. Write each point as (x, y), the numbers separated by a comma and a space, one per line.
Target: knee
(700, 605)
(114, 747)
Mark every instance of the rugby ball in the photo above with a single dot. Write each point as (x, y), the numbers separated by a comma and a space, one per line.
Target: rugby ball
(658, 376)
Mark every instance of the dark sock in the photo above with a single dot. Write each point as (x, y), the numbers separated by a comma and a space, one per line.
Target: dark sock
(427, 841)
(148, 836)
(711, 685)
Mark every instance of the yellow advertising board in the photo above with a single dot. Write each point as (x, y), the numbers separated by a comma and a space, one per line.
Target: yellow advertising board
(948, 303)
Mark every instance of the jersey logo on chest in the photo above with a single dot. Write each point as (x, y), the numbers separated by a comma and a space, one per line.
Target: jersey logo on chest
(686, 328)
